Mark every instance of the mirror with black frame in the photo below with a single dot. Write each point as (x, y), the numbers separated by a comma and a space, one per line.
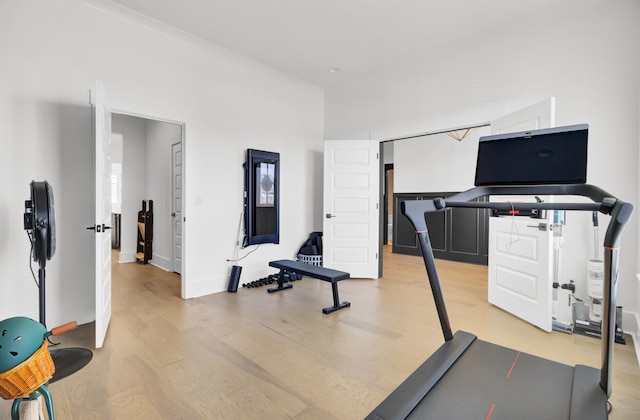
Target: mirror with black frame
(262, 197)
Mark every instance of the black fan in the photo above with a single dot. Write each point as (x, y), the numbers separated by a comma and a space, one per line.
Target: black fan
(40, 224)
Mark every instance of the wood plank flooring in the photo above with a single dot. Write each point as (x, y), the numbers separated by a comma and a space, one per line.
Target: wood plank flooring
(254, 355)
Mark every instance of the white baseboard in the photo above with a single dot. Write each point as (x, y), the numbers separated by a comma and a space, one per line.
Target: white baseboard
(82, 313)
(161, 262)
(631, 322)
(126, 256)
(636, 345)
(156, 260)
(631, 326)
(124, 259)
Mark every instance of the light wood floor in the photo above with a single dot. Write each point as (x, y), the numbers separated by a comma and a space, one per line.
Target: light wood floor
(254, 355)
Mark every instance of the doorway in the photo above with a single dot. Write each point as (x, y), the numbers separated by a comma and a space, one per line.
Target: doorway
(145, 155)
(387, 224)
(428, 165)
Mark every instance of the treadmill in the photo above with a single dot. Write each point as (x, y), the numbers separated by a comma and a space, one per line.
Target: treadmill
(468, 378)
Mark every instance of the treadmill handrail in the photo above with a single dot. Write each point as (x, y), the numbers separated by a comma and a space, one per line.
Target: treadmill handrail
(596, 194)
(603, 202)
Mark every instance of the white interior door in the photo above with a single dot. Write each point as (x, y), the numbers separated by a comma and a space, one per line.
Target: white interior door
(176, 203)
(536, 116)
(520, 251)
(520, 268)
(102, 228)
(351, 207)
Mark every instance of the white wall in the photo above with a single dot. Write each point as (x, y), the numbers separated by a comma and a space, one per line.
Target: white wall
(588, 60)
(116, 170)
(134, 169)
(52, 54)
(388, 152)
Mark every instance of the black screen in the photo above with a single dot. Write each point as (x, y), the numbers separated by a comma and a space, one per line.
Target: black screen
(548, 156)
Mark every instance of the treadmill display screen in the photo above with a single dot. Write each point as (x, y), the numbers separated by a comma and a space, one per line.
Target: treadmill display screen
(547, 156)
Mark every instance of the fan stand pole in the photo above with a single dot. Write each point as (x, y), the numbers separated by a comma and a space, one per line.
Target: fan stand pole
(41, 276)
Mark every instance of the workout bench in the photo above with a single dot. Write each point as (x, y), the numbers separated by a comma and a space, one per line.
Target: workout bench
(313, 271)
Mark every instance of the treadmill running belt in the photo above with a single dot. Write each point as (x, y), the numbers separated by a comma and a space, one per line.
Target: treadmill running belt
(495, 382)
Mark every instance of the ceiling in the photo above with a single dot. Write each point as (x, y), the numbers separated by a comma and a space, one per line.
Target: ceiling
(306, 38)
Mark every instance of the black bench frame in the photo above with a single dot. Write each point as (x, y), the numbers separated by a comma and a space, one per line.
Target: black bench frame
(313, 271)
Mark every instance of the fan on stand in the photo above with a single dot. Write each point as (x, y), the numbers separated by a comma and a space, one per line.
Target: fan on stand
(40, 224)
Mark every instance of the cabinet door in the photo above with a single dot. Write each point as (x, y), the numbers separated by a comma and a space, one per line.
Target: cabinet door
(459, 234)
(437, 226)
(468, 235)
(404, 235)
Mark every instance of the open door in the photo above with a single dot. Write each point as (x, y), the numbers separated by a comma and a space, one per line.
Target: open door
(351, 207)
(102, 228)
(520, 248)
(176, 205)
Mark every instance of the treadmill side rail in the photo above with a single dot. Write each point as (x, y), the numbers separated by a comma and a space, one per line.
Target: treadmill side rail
(403, 400)
(587, 399)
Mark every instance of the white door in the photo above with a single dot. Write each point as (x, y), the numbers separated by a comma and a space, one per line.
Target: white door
(520, 267)
(176, 203)
(539, 115)
(351, 207)
(102, 228)
(520, 250)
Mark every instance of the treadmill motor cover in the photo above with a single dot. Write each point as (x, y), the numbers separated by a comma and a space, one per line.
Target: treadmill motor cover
(547, 156)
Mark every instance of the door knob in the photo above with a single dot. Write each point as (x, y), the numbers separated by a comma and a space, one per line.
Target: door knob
(329, 215)
(540, 226)
(99, 228)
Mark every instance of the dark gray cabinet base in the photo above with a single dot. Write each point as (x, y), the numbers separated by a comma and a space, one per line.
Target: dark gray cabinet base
(458, 235)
